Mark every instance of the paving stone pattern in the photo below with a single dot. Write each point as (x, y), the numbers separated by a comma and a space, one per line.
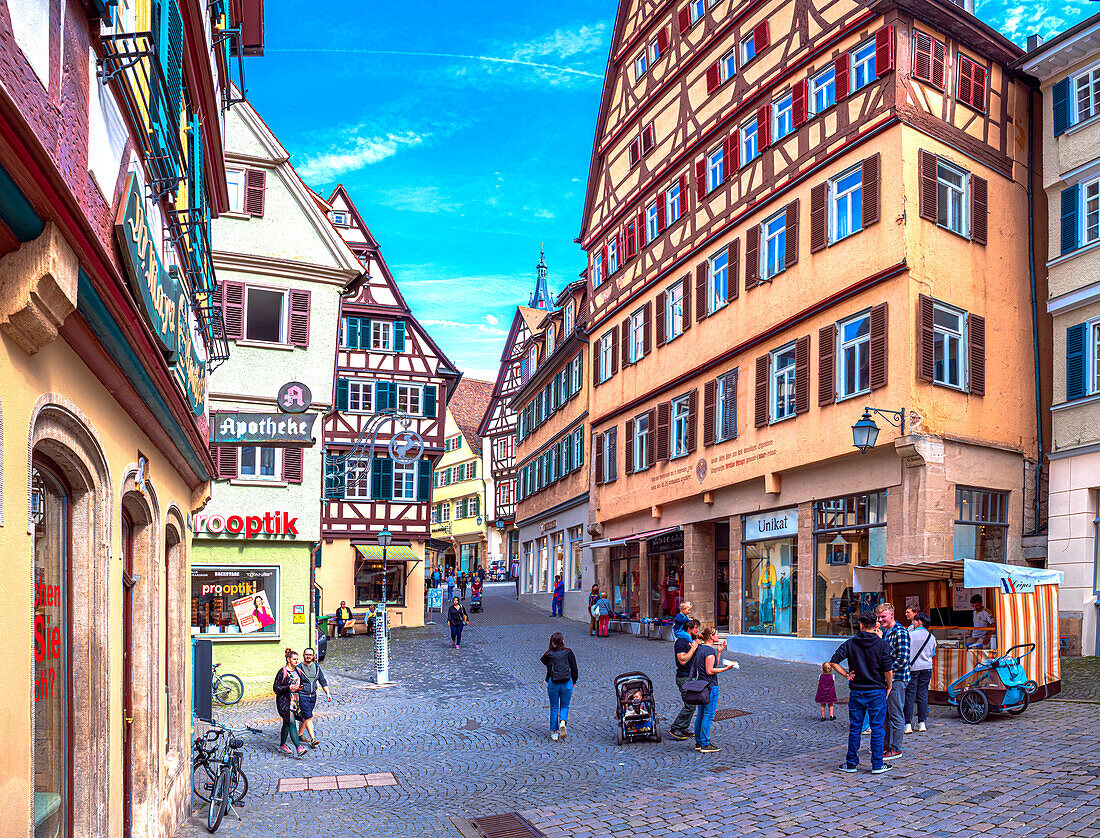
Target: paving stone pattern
(465, 734)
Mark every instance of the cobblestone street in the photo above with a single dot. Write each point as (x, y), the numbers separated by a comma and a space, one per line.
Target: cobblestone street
(464, 734)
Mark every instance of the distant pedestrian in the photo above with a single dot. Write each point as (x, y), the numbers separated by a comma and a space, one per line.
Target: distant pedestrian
(450, 585)
(897, 638)
(561, 676)
(870, 675)
(593, 598)
(457, 618)
(481, 574)
(475, 587)
(706, 668)
(684, 651)
(603, 609)
(463, 581)
(558, 598)
(826, 692)
(922, 649)
(516, 577)
(312, 677)
(681, 619)
(343, 617)
(288, 683)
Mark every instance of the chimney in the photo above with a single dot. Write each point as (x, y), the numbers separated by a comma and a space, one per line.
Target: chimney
(1034, 42)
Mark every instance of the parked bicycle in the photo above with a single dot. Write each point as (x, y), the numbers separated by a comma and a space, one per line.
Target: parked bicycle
(217, 777)
(228, 688)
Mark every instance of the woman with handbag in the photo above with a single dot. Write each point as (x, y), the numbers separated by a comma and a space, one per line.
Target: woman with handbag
(287, 685)
(705, 684)
(457, 618)
(603, 615)
(593, 598)
(312, 677)
(922, 648)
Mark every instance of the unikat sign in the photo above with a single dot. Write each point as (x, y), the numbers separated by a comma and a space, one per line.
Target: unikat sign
(161, 295)
(281, 429)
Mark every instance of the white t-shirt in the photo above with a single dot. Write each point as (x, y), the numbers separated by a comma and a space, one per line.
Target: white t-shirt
(982, 619)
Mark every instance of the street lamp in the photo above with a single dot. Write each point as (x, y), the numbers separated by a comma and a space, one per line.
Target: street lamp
(382, 638)
(865, 431)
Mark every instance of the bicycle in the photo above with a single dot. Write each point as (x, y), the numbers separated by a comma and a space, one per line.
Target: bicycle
(217, 772)
(227, 688)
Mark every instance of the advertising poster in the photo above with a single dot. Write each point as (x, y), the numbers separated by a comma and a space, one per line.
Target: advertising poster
(253, 613)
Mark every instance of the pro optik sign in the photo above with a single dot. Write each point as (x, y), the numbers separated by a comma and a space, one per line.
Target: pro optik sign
(247, 526)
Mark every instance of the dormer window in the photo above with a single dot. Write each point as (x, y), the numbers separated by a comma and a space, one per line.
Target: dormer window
(569, 319)
(339, 218)
(533, 359)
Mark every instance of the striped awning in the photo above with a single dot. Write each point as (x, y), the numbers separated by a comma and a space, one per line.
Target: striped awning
(394, 553)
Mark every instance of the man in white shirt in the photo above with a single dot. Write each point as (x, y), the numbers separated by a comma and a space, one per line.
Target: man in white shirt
(983, 625)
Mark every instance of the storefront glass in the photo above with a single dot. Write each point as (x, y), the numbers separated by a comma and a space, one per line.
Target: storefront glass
(722, 576)
(235, 600)
(528, 568)
(557, 552)
(50, 507)
(849, 533)
(575, 540)
(666, 573)
(368, 583)
(468, 554)
(625, 580)
(544, 563)
(770, 572)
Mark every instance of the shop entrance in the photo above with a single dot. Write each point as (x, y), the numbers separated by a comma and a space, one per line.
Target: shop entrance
(722, 576)
(770, 572)
(666, 573)
(127, 674)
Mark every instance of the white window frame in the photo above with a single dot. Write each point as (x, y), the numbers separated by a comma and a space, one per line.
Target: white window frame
(654, 51)
(673, 208)
(819, 89)
(679, 413)
(727, 66)
(612, 256)
(577, 374)
(277, 465)
(716, 168)
(860, 347)
(844, 204)
(748, 49)
(284, 317)
(235, 178)
(697, 8)
(862, 62)
(444, 512)
(637, 336)
(357, 389)
(340, 218)
(651, 231)
(357, 479)
(403, 398)
(1091, 77)
(384, 330)
(783, 115)
(943, 185)
(674, 311)
(946, 334)
(606, 344)
(641, 442)
(782, 378)
(640, 65)
(550, 341)
(406, 473)
(569, 318)
(1083, 233)
(718, 289)
(610, 463)
(721, 432)
(750, 141)
(773, 231)
(597, 271)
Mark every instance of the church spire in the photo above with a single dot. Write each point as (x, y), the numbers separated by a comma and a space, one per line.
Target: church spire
(541, 298)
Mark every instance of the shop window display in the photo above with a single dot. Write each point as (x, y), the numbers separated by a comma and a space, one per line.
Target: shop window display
(666, 573)
(576, 538)
(849, 534)
(234, 600)
(368, 583)
(771, 587)
(625, 580)
(981, 524)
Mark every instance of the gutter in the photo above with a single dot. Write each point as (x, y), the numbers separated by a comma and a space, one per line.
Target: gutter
(1034, 301)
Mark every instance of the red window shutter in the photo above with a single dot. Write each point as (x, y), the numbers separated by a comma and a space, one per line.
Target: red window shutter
(624, 342)
(733, 275)
(879, 327)
(683, 18)
(227, 462)
(975, 333)
(926, 338)
(214, 452)
(760, 36)
(922, 56)
(660, 320)
(884, 49)
(752, 257)
(620, 240)
(634, 150)
(687, 301)
(647, 328)
(872, 200)
(939, 64)
(299, 317)
(819, 218)
(798, 102)
(662, 212)
(649, 138)
(631, 239)
(791, 256)
(979, 209)
(840, 72)
(733, 152)
(603, 261)
(255, 182)
(963, 90)
(927, 163)
(764, 126)
(710, 394)
(826, 365)
(662, 40)
(763, 365)
(663, 414)
(233, 309)
(714, 77)
(701, 177)
(651, 438)
(701, 301)
(599, 459)
(641, 229)
(802, 374)
(979, 87)
(292, 465)
(683, 193)
(693, 419)
(628, 448)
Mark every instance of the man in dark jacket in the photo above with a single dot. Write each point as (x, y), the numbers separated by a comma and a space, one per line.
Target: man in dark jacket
(870, 676)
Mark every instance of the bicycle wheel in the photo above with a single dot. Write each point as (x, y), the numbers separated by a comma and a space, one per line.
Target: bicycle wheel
(219, 801)
(228, 689)
(238, 787)
(202, 780)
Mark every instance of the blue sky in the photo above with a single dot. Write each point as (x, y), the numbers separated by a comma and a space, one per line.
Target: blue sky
(463, 132)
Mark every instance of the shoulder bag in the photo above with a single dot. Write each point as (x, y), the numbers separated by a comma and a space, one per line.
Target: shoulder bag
(697, 690)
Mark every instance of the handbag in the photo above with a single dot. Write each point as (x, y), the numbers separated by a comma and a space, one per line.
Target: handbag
(594, 610)
(697, 690)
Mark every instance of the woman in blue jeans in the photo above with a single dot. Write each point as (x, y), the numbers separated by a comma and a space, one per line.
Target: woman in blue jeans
(561, 675)
(706, 669)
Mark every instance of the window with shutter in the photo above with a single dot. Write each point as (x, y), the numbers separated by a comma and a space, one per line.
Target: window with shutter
(227, 462)
(761, 36)
(649, 138)
(255, 187)
(927, 165)
(299, 317)
(799, 101)
(700, 178)
(791, 256)
(628, 447)
(701, 291)
(714, 76)
(819, 228)
(1070, 231)
(660, 318)
(975, 344)
(871, 191)
(664, 410)
(1060, 103)
(972, 83)
(826, 365)
(884, 50)
(802, 375)
(611, 456)
(692, 420)
(1077, 362)
(599, 459)
(879, 346)
(292, 465)
(979, 209)
(926, 335)
(634, 151)
(683, 19)
(840, 74)
(763, 368)
(647, 328)
(929, 59)
(710, 394)
(752, 257)
(727, 407)
(233, 309)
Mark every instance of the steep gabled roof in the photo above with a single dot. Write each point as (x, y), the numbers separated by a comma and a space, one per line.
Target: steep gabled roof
(533, 317)
(502, 371)
(359, 222)
(468, 404)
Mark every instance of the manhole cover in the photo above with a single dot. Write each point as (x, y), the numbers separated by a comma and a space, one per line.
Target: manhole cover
(730, 713)
(510, 825)
(718, 769)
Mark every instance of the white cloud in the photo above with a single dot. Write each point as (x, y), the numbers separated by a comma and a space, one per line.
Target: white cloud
(1016, 20)
(563, 43)
(492, 319)
(418, 199)
(354, 153)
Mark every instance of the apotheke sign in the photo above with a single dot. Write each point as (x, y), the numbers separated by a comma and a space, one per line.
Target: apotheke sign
(779, 523)
(262, 429)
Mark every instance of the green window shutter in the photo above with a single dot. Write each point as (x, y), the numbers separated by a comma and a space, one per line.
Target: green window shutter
(168, 32)
(1070, 201)
(1076, 340)
(351, 332)
(364, 334)
(381, 479)
(334, 478)
(341, 394)
(423, 481)
(385, 395)
(429, 401)
(399, 336)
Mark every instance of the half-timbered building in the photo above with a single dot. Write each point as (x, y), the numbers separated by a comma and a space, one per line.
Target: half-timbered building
(795, 211)
(385, 360)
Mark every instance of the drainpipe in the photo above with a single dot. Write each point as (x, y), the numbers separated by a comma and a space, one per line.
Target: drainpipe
(1034, 300)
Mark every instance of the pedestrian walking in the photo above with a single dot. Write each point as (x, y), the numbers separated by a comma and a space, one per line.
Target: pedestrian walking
(897, 638)
(288, 683)
(870, 676)
(684, 651)
(680, 620)
(923, 646)
(603, 612)
(437, 577)
(463, 581)
(561, 676)
(343, 617)
(558, 598)
(451, 585)
(515, 568)
(309, 671)
(457, 618)
(593, 598)
(706, 668)
(826, 692)
(481, 574)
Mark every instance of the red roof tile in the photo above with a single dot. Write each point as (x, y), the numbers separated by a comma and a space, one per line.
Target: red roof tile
(468, 404)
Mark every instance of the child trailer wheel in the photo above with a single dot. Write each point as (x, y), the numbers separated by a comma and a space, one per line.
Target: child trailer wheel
(973, 706)
(1016, 711)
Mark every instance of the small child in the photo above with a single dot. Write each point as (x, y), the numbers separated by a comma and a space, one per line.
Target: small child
(634, 703)
(826, 692)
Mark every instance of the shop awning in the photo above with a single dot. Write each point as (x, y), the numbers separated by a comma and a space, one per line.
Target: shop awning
(920, 570)
(638, 536)
(1010, 578)
(394, 553)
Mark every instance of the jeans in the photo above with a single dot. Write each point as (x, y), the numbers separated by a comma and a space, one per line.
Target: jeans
(555, 607)
(682, 723)
(916, 691)
(456, 634)
(895, 716)
(450, 592)
(560, 696)
(859, 703)
(705, 717)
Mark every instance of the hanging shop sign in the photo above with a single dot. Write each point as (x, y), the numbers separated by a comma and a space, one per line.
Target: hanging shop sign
(294, 397)
(161, 296)
(406, 447)
(779, 523)
(666, 542)
(262, 429)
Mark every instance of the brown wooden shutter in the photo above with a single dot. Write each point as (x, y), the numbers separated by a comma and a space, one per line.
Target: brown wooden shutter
(693, 419)
(975, 333)
(926, 338)
(700, 178)
(683, 18)
(647, 328)
(651, 439)
(791, 256)
(872, 200)
(798, 102)
(764, 126)
(802, 374)
(614, 356)
(710, 394)
(213, 448)
(879, 346)
(701, 290)
(628, 447)
(649, 138)
(729, 405)
(299, 317)
(884, 49)
(599, 459)
(763, 368)
(714, 77)
(624, 342)
(826, 365)
(979, 209)
(939, 64)
(687, 301)
(733, 152)
(752, 257)
(255, 181)
(662, 211)
(634, 151)
(233, 309)
(227, 462)
(761, 37)
(663, 413)
(927, 163)
(611, 453)
(662, 40)
(819, 218)
(292, 465)
(596, 376)
(733, 274)
(660, 318)
(840, 75)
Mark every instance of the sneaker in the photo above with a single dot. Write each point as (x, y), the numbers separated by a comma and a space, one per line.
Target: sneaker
(286, 749)
(302, 750)
(885, 767)
(866, 731)
(708, 749)
(891, 754)
(679, 737)
(921, 727)
(554, 736)
(562, 732)
(457, 646)
(909, 728)
(850, 769)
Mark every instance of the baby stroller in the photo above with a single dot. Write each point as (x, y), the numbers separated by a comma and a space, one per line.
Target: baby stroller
(997, 684)
(475, 603)
(635, 709)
